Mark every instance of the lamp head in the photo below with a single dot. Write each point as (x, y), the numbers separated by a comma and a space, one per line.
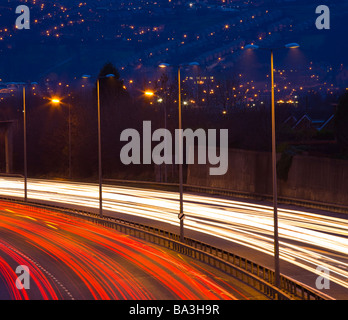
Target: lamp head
(149, 93)
(164, 65)
(251, 46)
(292, 45)
(55, 101)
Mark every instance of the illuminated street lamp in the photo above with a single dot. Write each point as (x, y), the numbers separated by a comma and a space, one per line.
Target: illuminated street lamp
(55, 101)
(292, 45)
(274, 158)
(181, 213)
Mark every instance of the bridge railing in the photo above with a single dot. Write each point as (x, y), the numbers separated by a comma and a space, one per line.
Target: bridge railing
(257, 276)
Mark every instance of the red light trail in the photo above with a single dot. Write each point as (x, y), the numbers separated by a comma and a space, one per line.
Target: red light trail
(76, 259)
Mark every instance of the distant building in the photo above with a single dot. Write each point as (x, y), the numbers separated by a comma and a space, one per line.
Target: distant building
(342, 77)
(307, 123)
(304, 123)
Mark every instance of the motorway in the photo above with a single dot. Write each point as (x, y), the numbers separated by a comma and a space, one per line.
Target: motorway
(73, 259)
(308, 239)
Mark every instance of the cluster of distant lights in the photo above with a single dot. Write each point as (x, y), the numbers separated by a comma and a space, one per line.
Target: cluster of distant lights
(54, 32)
(246, 91)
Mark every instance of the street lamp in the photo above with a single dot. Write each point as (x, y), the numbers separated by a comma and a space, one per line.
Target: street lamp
(181, 213)
(110, 75)
(274, 159)
(25, 142)
(55, 101)
(25, 148)
(149, 93)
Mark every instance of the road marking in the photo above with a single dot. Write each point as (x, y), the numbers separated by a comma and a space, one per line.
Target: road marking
(41, 267)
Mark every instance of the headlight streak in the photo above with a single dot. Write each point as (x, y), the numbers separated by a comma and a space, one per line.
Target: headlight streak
(247, 224)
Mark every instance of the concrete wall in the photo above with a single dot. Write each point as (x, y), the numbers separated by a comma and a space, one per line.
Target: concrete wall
(317, 179)
(310, 178)
(6, 132)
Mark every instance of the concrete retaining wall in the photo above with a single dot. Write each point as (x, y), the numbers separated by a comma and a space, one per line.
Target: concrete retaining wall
(310, 178)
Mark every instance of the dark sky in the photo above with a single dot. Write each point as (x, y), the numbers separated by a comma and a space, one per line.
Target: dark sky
(87, 37)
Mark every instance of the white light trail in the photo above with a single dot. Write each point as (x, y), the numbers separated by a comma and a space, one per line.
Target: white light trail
(307, 240)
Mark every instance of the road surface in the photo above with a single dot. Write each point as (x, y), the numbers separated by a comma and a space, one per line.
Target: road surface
(309, 240)
(73, 259)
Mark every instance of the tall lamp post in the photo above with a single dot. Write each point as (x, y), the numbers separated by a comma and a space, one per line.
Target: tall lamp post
(274, 159)
(181, 188)
(25, 142)
(25, 147)
(100, 174)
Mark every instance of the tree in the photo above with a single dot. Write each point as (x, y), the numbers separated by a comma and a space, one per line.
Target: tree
(112, 89)
(118, 112)
(341, 122)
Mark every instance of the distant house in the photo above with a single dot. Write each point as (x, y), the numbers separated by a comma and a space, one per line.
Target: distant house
(342, 77)
(328, 124)
(290, 121)
(307, 123)
(304, 123)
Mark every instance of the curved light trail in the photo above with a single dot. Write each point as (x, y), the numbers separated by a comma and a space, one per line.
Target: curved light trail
(307, 240)
(75, 259)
